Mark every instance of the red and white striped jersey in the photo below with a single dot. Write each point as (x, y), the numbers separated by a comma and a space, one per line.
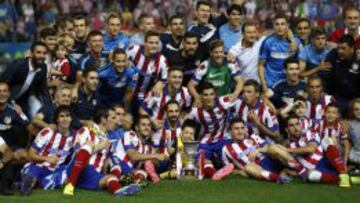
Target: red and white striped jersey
(306, 123)
(237, 152)
(263, 112)
(151, 69)
(97, 159)
(130, 140)
(316, 110)
(156, 106)
(52, 143)
(213, 121)
(166, 137)
(334, 131)
(309, 161)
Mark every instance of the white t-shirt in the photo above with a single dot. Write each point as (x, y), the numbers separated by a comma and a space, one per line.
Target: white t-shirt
(248, 58)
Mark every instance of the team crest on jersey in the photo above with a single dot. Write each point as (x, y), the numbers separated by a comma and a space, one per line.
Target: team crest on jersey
(7, 120)
(354, 68)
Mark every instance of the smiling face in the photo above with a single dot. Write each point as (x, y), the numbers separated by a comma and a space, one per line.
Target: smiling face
(218, 55)
(96, 43)
(173, 112)
(143, 127)
(38, 55)
(292, 72)
(352, 19)
(303, 30)
(175, 79)
(331, 113)
(203, 14)
(208, 97)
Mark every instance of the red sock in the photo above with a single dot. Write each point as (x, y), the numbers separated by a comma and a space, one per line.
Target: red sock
(329, 178)
(113, 185)
(333, 154)
(140, 175)
(269, 176)
(116, 171)
(81, 160)
(209, 170)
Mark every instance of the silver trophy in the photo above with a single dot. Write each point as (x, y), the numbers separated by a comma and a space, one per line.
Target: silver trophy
(190, 170)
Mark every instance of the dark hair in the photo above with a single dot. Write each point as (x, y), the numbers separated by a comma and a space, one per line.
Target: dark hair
(47, 32)
(172, 101)
(60, 110)
(93, 33)
(176, 68)
(2, 81)
(191, 124)
(176, 16)
(204, 85)
(253, 83)
(236, 120)
(315, 77)
(216, 43)
(61, 23)
(191, 34)
(299, 98)
(317, 31)
(247, 24)
(101, 113)
(37, 43)
(113, 15)
(88, 70)
(300, 20)
(118, 51)
(141, 117)
(332, 105)
(281, 16)
(151, 33)
(290, 61)
(291, 116)
(199, 3)
(235, 7)
(81, 17)
(348, 39)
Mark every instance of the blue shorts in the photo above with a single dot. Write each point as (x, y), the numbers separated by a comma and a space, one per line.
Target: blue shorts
(164, 166)
(89, 178)
(269, 164)
(125, 168)
(213, 149)
(42, 174)
(324, 166)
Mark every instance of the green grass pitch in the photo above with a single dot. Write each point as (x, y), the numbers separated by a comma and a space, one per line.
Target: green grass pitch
(233, 189)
